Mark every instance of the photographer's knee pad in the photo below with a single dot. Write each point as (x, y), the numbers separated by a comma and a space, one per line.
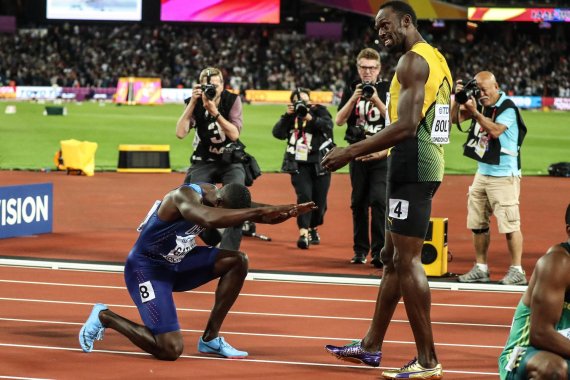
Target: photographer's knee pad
(480, 231)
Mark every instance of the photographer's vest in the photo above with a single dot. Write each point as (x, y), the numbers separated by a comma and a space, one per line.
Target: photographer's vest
(420, 158)
(211, 139)
(307, 143)
(483, 147)
(366, 119)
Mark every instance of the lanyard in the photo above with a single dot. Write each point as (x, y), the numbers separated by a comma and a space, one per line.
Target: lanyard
(493, 115)
(302, 128)
(367, 114)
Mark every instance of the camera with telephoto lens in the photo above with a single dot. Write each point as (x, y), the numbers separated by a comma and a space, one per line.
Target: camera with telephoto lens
(233, 153)
(301, 108)
(469, 90)
(367, 90)
(209, 90)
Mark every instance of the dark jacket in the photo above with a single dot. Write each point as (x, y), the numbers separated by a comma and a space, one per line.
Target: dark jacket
(211, 144)
(364, 120)
(317, 134)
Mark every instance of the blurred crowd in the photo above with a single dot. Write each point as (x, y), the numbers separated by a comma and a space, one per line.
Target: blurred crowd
(255, 57)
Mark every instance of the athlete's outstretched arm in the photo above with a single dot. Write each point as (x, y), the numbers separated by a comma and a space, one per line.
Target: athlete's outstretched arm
(186, 203)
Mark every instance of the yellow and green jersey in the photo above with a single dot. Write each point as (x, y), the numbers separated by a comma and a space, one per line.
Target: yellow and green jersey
(420, 159)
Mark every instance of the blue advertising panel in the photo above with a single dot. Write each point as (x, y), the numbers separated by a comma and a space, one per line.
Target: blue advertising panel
(527, 101)
(26, 210)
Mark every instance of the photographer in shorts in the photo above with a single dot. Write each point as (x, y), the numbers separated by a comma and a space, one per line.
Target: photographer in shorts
(216, 115)
(363, 108)
(494, 140)
(308, 129)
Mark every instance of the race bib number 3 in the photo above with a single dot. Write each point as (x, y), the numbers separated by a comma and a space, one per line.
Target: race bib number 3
(146, 291)
(440, 126)
(399, 208)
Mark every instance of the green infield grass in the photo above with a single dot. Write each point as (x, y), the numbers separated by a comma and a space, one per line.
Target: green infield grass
(29, 140)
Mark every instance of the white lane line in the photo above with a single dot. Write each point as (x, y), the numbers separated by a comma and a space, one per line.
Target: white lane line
(323, 338)
(232, 361)
(262, 276)
(286, 315)
(21, 378)
(326, 299)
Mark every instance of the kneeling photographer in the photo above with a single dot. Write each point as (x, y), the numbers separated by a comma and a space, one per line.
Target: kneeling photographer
(494, 140)
(308, 129)
(216, 114)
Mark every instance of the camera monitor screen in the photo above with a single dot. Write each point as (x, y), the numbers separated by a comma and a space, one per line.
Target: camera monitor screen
(230, 11)
(105, 10)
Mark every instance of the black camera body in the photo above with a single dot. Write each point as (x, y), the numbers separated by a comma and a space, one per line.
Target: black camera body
(233, 153)
(470, 89)
(209, 90)
(367, 90)
(301, 108)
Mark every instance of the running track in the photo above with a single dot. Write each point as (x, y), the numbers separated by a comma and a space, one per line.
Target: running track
(283, 324)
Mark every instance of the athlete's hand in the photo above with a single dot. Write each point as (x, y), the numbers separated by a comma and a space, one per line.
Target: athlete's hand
(276, 214)
(336, 159)
(279, 214)
(373, 156)
(306, 207)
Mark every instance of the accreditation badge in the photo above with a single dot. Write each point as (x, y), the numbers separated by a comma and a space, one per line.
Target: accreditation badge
(482, 144)
(301, 152)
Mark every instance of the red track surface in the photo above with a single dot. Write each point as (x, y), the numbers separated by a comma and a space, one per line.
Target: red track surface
(285, 327)
(96, 217)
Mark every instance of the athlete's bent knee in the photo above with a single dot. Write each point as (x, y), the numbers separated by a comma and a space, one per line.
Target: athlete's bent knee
(552, 373)
(171, 351)
(550, 367)
(480, 231)
(243, 260)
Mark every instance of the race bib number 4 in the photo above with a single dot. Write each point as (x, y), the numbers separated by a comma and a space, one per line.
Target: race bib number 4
(399, 208)
(146, 292)
(440, 126)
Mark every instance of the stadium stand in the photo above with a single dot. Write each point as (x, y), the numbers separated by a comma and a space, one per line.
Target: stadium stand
(527, 59)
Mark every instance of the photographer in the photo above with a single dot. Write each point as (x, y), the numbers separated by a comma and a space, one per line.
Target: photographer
(494, 140)
(216, 114)
(308, 130)
(363, 109)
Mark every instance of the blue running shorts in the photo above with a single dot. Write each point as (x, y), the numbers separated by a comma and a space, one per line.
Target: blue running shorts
(151, 283)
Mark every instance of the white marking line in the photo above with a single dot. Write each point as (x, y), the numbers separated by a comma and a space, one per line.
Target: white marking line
(254, 295)
(230, 361)
(268, 276)
(323, 338)
(22, 378)
(255, 313)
